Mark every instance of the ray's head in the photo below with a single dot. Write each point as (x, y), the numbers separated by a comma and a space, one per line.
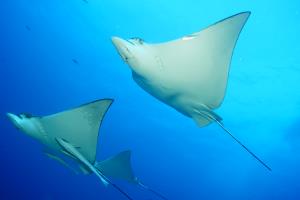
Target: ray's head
(24, 123)
(136, 53)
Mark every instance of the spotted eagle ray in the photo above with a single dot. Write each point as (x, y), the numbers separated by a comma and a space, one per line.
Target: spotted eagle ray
(190, 73)
(74, 134)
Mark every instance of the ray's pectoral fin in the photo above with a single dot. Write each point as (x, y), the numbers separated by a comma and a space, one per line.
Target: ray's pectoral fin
(118, 166)
(85, 170)
(74, 152)
(205, 116)
(69, 149)
(61, 161)
(78, 126)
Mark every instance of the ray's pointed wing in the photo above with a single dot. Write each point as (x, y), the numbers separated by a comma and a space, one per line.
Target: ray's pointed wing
(78, 126)
(118, 166)
(198, 64)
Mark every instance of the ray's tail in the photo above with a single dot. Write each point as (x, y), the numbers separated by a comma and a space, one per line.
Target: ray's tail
(115, 186)
(240, 143)
(151, 190)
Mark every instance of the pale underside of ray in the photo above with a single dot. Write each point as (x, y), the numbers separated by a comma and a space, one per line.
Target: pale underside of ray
(195, 69)
(197, 65)
(79, 126)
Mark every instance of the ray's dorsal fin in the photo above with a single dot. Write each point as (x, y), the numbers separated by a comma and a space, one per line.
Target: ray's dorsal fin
(78, 126)
(198, 64)
(204, 115)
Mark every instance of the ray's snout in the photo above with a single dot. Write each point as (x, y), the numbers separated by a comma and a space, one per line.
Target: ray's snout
(14, 119)
(123, 48)
(118, 42)
(11, 116)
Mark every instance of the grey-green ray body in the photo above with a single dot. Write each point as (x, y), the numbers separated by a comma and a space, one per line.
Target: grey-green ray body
(74, 133)
(190, 73)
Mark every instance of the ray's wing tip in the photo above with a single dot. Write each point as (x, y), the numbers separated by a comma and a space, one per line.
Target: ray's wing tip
(248, 12)
(104, 99)
(242, 16)
(245, 13)
(109, 100)
(97, 101)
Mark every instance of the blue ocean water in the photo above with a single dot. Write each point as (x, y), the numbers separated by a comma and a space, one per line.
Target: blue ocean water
(56, 55)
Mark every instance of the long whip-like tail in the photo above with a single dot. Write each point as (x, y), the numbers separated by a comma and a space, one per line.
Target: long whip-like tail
(240, 143)
(151, 190)
(115, 186)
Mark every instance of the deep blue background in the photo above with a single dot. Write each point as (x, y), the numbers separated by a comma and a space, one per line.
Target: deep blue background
(39, 39)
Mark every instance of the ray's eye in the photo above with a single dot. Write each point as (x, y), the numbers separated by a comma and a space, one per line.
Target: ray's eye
(26, 115)
(137, 40)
